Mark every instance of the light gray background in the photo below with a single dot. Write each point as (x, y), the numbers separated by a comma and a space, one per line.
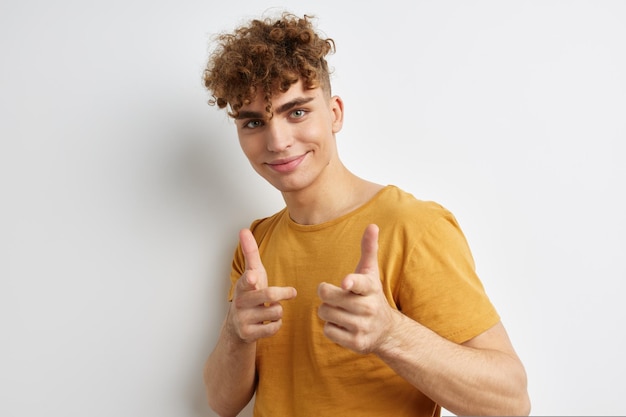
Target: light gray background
(122, 191)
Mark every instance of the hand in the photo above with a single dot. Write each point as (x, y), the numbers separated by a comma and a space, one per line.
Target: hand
(357, 315)
(255, 311)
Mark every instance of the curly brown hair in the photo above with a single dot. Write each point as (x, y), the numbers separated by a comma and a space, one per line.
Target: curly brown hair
(267, 55)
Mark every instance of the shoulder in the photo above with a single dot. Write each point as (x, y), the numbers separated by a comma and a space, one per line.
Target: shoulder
(262, 226)
(402, 206)
(410, 223)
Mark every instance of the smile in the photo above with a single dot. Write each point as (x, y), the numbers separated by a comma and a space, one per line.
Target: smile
(286, 165)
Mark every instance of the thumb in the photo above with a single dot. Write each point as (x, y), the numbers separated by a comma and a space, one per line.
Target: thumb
(247, 282)
(369, 251)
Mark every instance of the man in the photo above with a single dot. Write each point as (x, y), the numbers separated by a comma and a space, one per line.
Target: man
(356, 299)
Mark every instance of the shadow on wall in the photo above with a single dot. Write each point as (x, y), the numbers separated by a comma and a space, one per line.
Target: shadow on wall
(209, 173)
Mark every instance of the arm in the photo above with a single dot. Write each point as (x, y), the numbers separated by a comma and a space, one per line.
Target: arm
(229, 374)
(482, 376)
(255, 312)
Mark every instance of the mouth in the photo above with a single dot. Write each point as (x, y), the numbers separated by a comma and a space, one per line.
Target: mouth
(286, 165)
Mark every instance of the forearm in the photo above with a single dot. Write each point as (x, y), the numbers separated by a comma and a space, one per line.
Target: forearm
(229, 374)
(462, 379)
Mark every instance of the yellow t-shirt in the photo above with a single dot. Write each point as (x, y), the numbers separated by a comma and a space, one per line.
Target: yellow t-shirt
(427, 273)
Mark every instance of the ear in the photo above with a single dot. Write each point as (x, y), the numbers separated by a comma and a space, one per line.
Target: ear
(336, 108)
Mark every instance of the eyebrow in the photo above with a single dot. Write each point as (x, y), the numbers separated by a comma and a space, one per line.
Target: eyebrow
(244, 114)
(293, 103)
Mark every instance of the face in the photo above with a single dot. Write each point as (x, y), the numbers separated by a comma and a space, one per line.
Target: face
(295, 149)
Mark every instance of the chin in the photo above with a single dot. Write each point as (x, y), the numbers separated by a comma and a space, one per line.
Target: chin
(287, 187)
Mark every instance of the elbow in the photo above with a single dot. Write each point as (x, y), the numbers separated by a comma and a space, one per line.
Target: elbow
(513, 406)
(215, 404)
(224, 402)
(221, 407)
(524, 406)
(220, 411)
(515, 401)
(517, 407)
(521, 406)
(519, 400)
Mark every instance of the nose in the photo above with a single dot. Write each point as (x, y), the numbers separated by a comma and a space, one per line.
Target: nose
(278, 138)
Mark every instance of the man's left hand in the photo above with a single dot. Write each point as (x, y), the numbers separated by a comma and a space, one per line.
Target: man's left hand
(357, 315)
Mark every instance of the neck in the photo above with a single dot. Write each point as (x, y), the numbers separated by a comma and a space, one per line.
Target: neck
(324, 202)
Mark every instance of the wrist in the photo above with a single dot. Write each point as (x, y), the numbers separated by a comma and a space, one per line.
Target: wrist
(392, 340)
(231, 335)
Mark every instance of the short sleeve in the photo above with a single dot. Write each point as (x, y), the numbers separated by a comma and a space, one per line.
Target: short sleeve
(440, 288)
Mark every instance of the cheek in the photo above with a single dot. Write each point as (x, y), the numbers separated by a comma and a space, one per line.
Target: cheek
(312, 133)
(250, 148)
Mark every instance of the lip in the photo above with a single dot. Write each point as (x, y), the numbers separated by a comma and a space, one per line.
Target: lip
(285, 165)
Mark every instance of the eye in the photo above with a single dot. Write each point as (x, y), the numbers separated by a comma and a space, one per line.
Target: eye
(297, 114)
(252, 124)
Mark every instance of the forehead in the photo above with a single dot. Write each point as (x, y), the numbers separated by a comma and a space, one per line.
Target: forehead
(295, 92)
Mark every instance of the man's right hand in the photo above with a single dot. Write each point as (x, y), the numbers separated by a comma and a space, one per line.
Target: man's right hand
(255, 311)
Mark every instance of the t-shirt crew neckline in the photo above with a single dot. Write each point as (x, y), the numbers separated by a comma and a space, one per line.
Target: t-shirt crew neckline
(315, 227)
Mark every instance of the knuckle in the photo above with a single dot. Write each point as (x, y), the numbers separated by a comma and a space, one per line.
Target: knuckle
(323, 291)
(274, 312)
(272, 294)
(245, 333)
(326, 330)
(361, 344)
(271, 328)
